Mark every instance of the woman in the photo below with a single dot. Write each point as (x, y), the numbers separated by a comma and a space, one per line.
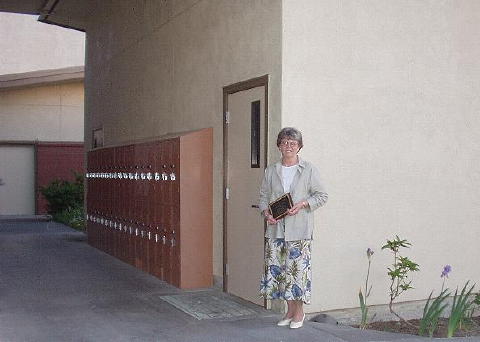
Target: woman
(288, 240)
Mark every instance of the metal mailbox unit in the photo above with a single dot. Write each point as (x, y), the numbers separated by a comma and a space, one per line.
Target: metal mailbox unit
(150, 205)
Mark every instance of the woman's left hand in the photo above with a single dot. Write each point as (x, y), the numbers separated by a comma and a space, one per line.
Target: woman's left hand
(297, 207)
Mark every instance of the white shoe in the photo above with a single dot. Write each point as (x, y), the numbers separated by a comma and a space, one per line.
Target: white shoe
(296, 325)
(284, 322)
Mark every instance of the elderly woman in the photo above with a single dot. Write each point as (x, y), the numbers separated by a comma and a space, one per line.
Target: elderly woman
(288, 240)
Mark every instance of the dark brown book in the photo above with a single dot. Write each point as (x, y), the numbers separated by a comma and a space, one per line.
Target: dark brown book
(279, 208)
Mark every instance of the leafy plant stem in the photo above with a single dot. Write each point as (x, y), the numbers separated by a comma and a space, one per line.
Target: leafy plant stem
(431, 313)
(460, 306)
(398, 273)
(367, 292)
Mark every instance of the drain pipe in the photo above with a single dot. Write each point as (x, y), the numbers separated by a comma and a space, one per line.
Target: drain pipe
(47, 9)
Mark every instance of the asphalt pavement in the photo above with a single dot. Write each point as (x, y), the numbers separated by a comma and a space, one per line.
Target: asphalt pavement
(55, 287)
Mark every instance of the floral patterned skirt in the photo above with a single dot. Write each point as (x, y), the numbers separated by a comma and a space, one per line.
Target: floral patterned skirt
(288, 271)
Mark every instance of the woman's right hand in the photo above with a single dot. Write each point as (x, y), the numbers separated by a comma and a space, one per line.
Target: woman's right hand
(270, 219)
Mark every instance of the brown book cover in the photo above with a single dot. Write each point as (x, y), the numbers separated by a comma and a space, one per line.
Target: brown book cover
(279, 208)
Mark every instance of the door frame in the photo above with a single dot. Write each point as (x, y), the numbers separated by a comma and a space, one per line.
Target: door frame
(261, 81)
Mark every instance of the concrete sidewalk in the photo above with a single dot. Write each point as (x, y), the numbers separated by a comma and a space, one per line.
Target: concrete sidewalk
(55, 287)
(24, 218)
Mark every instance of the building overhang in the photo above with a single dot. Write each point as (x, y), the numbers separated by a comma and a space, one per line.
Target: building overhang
(65, 13)
(41, 77)
(22, 6)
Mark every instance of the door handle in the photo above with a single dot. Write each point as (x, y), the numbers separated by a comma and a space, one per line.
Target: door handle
(255, 206)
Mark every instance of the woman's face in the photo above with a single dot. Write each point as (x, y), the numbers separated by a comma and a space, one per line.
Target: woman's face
(289, 148)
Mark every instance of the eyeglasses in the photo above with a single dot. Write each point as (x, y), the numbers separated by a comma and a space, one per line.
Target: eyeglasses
(291, 143)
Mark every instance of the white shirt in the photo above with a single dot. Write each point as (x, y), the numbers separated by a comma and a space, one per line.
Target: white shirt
(288, 172)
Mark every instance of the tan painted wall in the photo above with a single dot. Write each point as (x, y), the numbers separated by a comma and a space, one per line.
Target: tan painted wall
(159, 66)
(386, 93)
(28, 45)
(45, 113)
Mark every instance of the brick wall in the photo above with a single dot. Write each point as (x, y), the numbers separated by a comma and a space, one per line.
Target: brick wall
(56, 161)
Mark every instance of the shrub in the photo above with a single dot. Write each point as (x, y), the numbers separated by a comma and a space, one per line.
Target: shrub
(399, 272)
(72, 217)
(65, 201)
(62, 195)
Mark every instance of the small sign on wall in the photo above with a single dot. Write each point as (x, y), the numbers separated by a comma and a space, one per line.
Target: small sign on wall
(97, 138)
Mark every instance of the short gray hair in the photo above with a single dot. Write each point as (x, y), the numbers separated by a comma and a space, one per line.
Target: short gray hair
(290, 133)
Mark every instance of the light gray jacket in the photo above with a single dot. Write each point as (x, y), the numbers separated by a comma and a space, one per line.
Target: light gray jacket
(306, 186)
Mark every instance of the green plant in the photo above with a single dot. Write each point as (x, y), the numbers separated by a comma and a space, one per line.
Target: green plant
(460, 308)
(363, 298)
(72, 217)
(62, 194)
(399, 271)
(432, 312)
(475, 304)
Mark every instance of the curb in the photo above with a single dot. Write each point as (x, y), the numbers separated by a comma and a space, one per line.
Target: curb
(25, 218)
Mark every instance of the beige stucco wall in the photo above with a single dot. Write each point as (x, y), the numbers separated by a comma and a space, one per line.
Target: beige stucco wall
(45, 113)
(28, 45)
(386, 93)
(155, 67)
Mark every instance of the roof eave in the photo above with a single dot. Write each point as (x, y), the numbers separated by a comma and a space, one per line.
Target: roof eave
(42, 77)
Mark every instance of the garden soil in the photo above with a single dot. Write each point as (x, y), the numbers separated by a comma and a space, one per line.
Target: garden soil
(470, 329)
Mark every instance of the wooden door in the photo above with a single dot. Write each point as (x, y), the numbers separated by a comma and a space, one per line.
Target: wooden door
(245, 161)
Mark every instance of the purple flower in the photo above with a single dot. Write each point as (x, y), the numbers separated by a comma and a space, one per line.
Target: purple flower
(369, 253)
(446, 270)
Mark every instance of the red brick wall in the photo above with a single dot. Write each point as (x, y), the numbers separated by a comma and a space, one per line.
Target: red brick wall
(56, 161)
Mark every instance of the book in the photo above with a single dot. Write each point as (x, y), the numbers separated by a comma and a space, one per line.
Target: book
(279, 208)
